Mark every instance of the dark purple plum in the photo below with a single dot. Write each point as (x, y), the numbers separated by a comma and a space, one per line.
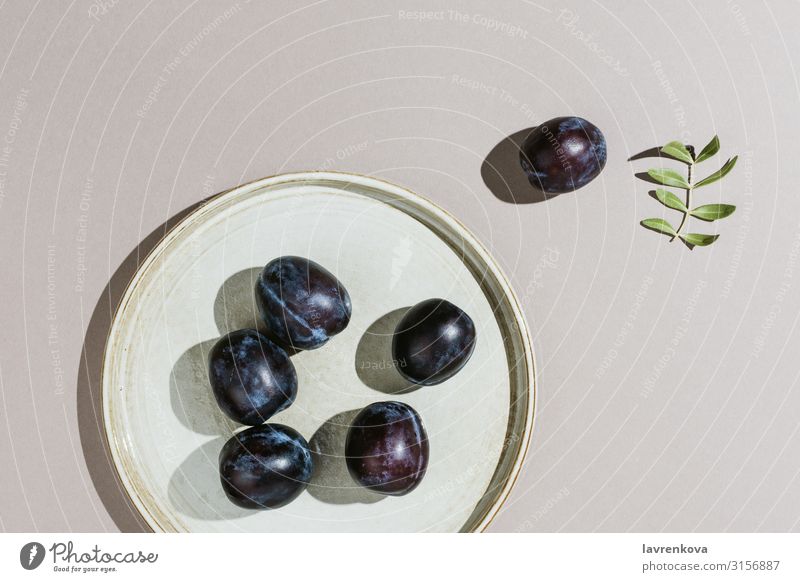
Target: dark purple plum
(387, 448)
(265, 467)
(252, 377)
(302, 303)
(563, 154)
(432, 342)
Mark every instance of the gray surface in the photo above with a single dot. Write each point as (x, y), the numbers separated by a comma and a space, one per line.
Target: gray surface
(668, 379)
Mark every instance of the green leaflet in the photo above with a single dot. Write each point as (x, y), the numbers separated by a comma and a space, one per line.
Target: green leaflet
(668, 177)
(673, 179)
(711, 212)
(699, 240)
(669, 200)
(711, 148)
(678, 151)
(719, 174)
(658, 225)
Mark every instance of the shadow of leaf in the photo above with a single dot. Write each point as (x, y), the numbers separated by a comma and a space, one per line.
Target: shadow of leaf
(192, 399)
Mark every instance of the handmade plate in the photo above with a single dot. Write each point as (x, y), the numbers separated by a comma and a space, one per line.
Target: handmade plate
(391, 249)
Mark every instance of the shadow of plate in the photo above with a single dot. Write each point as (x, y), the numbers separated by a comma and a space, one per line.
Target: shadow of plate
(94, 446)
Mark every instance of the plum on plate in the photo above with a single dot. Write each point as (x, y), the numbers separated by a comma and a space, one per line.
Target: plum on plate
(303, 304)
(387, 448)
(432, 342)
(563, 154)
(252, 377)
(265, 467)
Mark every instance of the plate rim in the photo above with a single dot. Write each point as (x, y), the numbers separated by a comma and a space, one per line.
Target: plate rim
(111, 440)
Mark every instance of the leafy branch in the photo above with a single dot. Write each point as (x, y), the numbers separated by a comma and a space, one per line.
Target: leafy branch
(673, 179)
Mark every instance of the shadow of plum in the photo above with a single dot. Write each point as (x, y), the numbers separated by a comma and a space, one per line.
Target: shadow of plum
(235, 306)
(192, 399)
(374, 362)
(191, 396)
(331, 481)
(503, 174)
(195, 488)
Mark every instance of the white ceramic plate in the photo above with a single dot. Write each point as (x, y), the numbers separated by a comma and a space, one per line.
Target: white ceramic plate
(391, 249)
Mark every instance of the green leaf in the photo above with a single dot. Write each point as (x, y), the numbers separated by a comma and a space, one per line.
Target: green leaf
(678, 151)
(711, 148)
(699, 240)
(669, 200)
(668, 178)
(658, 225)
(711, 212)
(719, 174)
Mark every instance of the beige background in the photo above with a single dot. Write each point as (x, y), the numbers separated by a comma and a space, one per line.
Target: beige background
(668, 379)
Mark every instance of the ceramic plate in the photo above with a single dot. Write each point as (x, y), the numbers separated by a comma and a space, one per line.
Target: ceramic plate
(391, 249)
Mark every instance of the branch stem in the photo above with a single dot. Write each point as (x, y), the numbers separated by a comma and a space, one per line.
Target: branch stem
(688, 202)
